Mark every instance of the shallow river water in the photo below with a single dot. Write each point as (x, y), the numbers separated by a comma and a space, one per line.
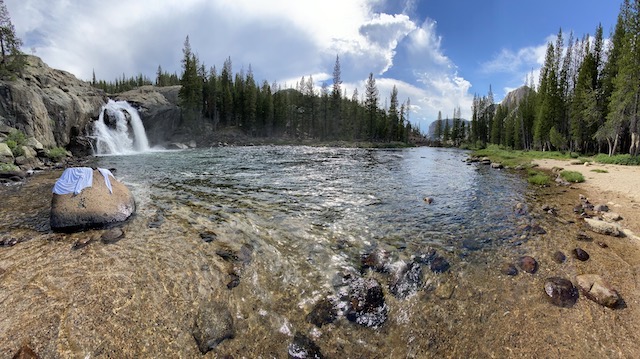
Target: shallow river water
(261, 235)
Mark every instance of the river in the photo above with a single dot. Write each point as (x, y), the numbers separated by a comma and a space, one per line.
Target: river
(263, 234)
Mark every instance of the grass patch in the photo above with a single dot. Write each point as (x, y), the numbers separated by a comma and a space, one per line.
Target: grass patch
(538, 178)
(8, 167)
(56, 154)
(625, 160)
(598, 170)
(572, 176)
(512, 158)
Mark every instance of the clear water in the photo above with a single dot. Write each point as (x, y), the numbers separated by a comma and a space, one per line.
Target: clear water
(286, 224)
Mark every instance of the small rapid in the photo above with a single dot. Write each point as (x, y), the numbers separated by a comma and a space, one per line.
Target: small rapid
(119, 130)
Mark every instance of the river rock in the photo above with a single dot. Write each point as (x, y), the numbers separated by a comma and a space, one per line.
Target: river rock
(497, 165)
(366, 305)
(376, 259)
(213, 324)
(509, 269)
(611, 216)
(601, 208)
(324, 312)
(528, 264)
(581, 254)
(559, 257)
(407, 280)
(600, 291)
(583, 237)
(303, 348)
(602, 227)
(439, 264)
(424, 255)
(112, 236)
(93, 207)
(561, 292)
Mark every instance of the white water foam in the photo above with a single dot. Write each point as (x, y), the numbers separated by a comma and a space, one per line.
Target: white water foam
(125, 136)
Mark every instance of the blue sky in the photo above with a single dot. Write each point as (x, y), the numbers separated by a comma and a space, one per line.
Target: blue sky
(438, 53)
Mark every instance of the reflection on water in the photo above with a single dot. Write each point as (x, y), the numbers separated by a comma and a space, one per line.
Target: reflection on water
(270, 232)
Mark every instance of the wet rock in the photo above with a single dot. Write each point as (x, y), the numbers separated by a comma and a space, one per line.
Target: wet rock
(521, 209)
(213, 324)
(509, 269)
(234, 282)
(496, 165)
(8, 242)
(208, 236)
(601, 208)
(439, 264)
(407, 280)
(528, 264)
(581, 254)
(424, 255)
(583, 237)
(561, 292)
(25, 353)
(485, 161)
(559, 257)
(157, 220)
(303, 348)
(112, 236)
(324, 312)
(428, 200)
(82, 242)
(377, 259)
(536, 229)
(242, 256)
(471, 244)
(598, 290)
(602, 227)
(602, 244)
(366, 305)
(94, 206)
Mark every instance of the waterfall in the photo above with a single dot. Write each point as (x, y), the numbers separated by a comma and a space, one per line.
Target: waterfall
(119, 130)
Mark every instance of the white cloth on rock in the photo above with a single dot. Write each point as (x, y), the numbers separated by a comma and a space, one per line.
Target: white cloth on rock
(75, 179)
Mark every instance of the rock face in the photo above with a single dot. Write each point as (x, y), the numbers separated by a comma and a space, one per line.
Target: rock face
(599, 290)
(93, 207)
(52, 106)
(158, 109)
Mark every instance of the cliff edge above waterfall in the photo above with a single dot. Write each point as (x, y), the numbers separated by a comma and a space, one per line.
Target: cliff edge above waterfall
(50, 105)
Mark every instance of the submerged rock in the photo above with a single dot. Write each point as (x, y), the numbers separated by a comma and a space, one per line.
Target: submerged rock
(509, 269)
(82, 242)
(376, 259)
(559, 257)
(528, 264)
(583, 237)
(598, 290)
(94, 206)
(581, 254)
(25, 353)
(303, 348)
(407, 280)
(112, 236)
(324, 312)
(208, 236)
(439, 264)
(561, 292)
(213, 324)
(366, 305)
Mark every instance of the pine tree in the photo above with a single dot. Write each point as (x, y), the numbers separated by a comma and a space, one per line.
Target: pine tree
(11, 60)
(371, 105)
(191, 91)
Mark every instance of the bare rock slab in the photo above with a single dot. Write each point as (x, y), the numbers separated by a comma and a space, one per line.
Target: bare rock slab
(93, 207)
(600, 291)
(602, 227)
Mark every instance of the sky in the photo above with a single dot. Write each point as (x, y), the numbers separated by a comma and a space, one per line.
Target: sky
(437, 53)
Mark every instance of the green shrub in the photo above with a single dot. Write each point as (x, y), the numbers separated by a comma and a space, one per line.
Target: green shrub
(572, 176)
(8, 167)
(56, 154)
(538, 178)
(15, 148)
(18, 137)
(626, 160)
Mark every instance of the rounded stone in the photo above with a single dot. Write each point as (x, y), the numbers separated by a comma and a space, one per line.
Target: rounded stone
(559, 257)
(561, 292)
(528, 264)
(581, 254)
(509, 269)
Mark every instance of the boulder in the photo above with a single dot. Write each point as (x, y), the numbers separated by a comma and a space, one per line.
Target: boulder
(93, 207)
(561, 292)
(214, 324)
(600, 291)
(366, 305)
(6, 156)
(602, 227)
(611, 216)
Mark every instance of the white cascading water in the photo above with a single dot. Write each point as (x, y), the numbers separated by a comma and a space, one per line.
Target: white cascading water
(118, 139)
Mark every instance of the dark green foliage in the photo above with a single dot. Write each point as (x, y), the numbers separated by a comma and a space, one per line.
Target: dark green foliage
(11, 58)
(572, 176)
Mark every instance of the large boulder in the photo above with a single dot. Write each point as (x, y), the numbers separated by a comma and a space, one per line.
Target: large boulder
(602, 227)
(6, 156)
(93, 207)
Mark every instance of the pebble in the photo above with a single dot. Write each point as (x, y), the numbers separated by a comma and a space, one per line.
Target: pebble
(583, 237)
(602, 244)
(303, 348)
(208, 236)
(112, 236)
(581, 254)
(234, 282)
(528, 264)
(559, 257)
(561, 292)
(509, 269)
(322, 313)
(81, 243)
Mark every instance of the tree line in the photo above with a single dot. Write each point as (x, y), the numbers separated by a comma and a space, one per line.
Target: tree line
(587, 99)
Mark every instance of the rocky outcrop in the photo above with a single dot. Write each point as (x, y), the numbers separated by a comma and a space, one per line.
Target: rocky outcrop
(52, 106)
(93, 207)
(158, 109)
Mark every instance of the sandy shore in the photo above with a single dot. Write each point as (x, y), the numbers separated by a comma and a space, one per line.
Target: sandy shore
(619, 187)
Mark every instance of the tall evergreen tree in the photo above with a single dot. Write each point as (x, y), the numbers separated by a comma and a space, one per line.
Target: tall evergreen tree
(191, 91)
(10, 43)
(371, 105)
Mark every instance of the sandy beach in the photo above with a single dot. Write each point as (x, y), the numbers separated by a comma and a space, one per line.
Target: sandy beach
(619, 187)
